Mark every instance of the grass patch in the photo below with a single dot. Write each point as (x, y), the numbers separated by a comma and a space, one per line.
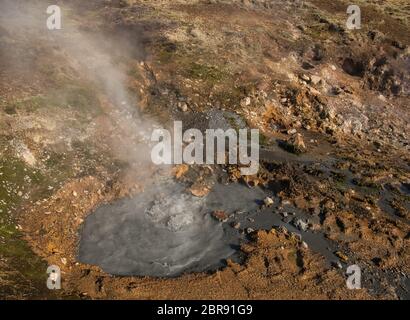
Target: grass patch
(81, 99)
(14, 175)
(206, 73)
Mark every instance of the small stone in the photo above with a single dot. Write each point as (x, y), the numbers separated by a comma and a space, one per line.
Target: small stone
(295, 144)
(398, 45)
(75, 194)
(283, 229)
(220, 215)
(336, 91)
(316, 79)
(316, 211)
(298, 142)
(284, 214)
(184, 107)
(297, 236)
(337, 264)
(199, 190)
(196, 33)
(305, 245)
(307, 65)
(268, 201)
(249, 230)
(342, 256)
(300, 224)
(287, 219)
(236, 225)
(305, 77)
(64, 261)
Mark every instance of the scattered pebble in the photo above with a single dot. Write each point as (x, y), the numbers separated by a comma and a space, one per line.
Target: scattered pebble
(220, 215)
(316, 79)
(250, 230)
(342, 256)
(268, 201)
(236, 225)
(300, 224)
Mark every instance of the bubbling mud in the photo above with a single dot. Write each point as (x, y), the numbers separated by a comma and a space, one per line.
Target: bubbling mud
(164, 231)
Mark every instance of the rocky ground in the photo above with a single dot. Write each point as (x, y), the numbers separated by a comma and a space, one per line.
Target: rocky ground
(331, 104)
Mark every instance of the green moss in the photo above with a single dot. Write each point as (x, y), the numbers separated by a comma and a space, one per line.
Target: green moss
(230, 96)
(15, 174)
(134, 73)
(165, 56)
(27, 271)
(207, 73)
(365, 182)
(264, 140)
(10, 109)
(338, 176)
(167, 52)
(81, 99)
(13, 249)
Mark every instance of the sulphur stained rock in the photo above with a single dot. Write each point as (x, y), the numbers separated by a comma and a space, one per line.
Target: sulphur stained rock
(220, 215)
(295, 144)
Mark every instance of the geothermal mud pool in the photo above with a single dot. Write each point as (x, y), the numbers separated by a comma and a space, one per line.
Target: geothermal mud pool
(164, 231)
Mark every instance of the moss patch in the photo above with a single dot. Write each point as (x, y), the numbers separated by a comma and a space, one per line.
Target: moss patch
(27, 273)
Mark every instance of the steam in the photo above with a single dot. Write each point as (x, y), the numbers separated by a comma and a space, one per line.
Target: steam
(87, 56)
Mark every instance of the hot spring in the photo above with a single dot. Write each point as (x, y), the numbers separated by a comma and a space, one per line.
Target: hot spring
(165, 231)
